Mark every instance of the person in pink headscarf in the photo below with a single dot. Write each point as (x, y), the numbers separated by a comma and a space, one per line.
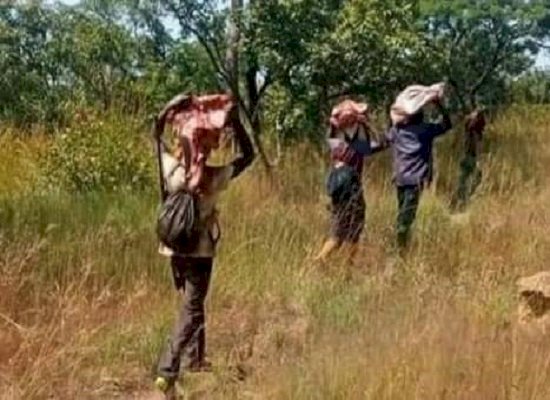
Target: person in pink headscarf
(349, 142)
(198, 123)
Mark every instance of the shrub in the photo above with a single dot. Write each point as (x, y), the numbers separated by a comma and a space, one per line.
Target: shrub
(100, 153)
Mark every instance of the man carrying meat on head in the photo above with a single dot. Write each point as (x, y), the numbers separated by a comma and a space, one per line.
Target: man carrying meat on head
(411, 140)
(198, 122)
(350, 142)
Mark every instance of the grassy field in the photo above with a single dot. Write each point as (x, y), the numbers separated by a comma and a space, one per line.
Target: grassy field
(86, 302)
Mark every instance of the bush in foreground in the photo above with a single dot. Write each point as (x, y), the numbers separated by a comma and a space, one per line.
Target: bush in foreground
(98, 153)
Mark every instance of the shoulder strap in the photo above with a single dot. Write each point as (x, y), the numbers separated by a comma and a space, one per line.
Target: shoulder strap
(366, 129)
(157, 131)
(187, 154)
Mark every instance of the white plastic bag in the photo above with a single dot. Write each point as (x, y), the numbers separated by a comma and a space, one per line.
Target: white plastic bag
(413, 99)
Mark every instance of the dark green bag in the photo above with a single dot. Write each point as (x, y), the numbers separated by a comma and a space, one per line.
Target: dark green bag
(177, 221)
(342, 184)
(178, 215)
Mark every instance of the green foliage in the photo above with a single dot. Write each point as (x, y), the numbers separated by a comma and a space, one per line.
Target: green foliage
(533, 88)
(291, 117)
(100, 54)
(186, 68)
(133, 56)
(319, 51)
(27, 65)
(478, 45)
(100, 154)
(372, 49)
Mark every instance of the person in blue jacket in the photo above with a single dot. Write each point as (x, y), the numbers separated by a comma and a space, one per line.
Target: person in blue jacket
(411, 144)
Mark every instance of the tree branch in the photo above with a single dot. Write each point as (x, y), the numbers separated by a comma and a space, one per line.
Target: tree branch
(184, 20)
(491, 66)
(543, 45)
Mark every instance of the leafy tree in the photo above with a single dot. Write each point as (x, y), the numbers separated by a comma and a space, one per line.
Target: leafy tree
(107, 53)
(477, 45)
(99, 56)
(318, 51)
(205, 21)
(532, 88)
(29, 72)
(286, 61)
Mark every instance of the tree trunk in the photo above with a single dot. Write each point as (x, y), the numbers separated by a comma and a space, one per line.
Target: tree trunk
(232, 53)
(233, 75)
(253, 94)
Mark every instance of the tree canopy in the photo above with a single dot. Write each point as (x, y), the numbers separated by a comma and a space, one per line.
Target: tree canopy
(286, 61)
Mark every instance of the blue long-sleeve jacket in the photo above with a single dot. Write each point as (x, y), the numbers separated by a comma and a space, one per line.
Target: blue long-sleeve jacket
(412, 150)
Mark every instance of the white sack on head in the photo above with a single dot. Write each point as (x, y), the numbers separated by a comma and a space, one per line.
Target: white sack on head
(413, 99)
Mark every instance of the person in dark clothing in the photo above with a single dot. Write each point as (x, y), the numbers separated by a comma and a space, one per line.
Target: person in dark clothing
(348, 149)
(192, 270)
(470, 174)
(412, 143)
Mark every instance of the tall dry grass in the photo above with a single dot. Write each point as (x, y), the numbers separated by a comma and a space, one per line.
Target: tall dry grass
(86, 303)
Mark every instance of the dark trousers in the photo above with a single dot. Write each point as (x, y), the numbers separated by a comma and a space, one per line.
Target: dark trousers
(408, 198)
(468, 181)
(193, 276)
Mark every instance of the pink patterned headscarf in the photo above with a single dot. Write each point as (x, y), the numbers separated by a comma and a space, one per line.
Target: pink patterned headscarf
(205, 115)
(348, 113)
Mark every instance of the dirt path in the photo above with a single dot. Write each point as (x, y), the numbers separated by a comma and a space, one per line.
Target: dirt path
(145, 395)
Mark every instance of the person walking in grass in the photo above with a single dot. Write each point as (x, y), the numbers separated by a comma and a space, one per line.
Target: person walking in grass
(470, 173)
(199, 122)
(349, 142)
(411, 141)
